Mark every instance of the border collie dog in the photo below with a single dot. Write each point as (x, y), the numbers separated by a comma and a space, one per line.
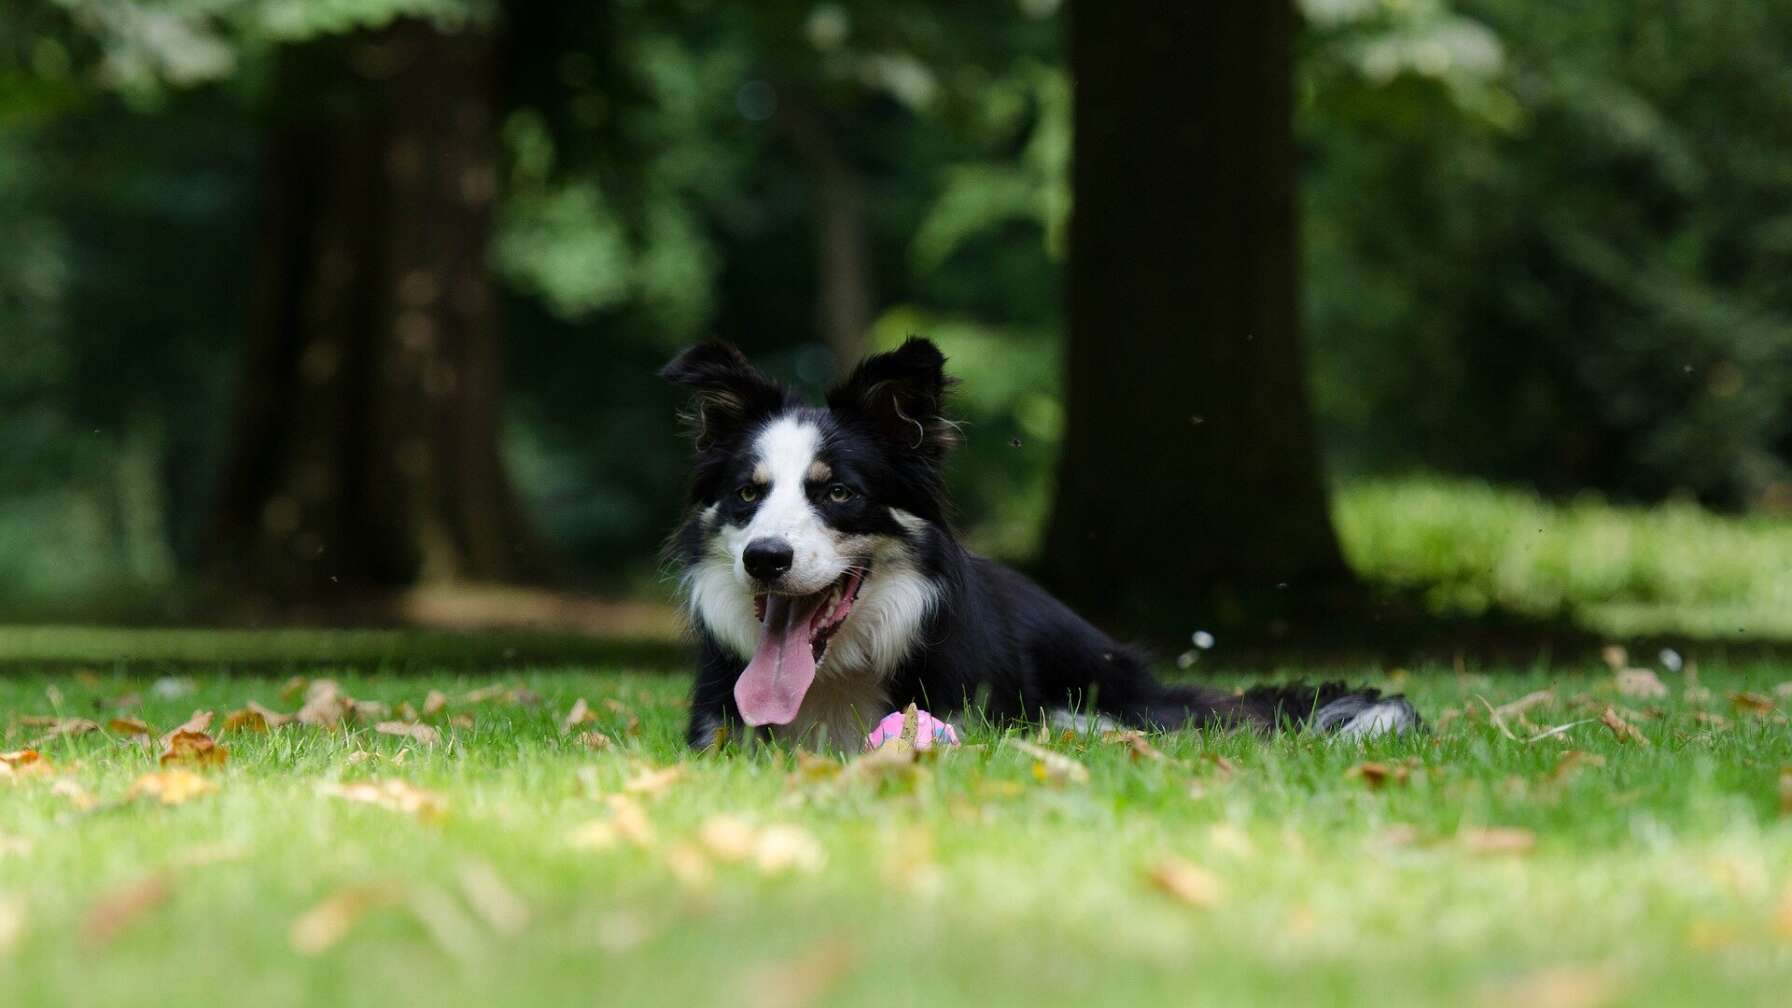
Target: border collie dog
(826, 588)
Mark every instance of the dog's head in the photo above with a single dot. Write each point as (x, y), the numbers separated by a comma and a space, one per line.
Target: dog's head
(800, 549)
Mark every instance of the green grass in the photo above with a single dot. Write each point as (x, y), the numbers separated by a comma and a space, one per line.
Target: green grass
(1672, 569)
(1660, 876)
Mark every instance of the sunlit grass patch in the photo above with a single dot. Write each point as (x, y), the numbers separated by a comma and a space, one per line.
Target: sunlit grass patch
(525, 856)
(1674, 568)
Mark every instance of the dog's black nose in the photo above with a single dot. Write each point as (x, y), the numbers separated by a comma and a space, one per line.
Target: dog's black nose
(768, 559)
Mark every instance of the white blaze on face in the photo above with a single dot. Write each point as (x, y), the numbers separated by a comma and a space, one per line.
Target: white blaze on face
(784, 453)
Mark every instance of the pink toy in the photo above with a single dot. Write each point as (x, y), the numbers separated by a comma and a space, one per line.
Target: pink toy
(928, 730)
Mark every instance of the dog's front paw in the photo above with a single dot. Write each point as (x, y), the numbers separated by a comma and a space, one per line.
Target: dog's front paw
(915, 727)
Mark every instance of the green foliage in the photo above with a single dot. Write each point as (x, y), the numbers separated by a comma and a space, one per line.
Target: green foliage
(1674, 568)
(1564, 260)
(1542, 246)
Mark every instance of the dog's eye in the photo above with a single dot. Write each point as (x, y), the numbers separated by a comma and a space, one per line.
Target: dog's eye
(839, 493)
(747, 494)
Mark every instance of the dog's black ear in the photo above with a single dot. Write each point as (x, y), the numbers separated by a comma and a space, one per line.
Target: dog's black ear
(730, 392)
(903, 393)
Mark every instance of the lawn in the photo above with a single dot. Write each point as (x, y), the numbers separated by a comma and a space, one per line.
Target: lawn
(515, 860)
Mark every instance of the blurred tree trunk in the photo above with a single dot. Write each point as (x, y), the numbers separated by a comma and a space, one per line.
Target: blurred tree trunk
(1190, 493)
(366, 441)
(843, 299)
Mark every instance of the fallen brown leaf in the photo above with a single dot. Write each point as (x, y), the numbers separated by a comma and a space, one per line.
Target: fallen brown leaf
(395, 795)
(23, 763)
(730, 838)
(403, 729)
(1786, 791)
(1624, 730)
(128, 726)
(1525, 704)
(118, 909)
(325, 704)
(434, 702)
(199, 722)
(1137, 745)
(1051, 766)
(322, 927)
(580, 714)
(652, 782)
(1185, 881)
(1498, 840)
(1377, 775)
(1745, 702)
(171, 787)
(802, 980)
(595, 740)
(1571, 761)
(1641, 683)
(1615, 656)
(256, 718)
(782, 848)
(195, 747)
(78, 796)
(61, 726)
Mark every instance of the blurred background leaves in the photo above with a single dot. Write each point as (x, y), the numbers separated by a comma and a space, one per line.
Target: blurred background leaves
(1545, 246)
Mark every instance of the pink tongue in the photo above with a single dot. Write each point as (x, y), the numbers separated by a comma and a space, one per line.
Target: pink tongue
(771, 689)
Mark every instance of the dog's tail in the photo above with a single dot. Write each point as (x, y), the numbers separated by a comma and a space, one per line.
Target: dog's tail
(1332, 708)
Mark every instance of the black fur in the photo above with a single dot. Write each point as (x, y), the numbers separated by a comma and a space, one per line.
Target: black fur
(995, 641)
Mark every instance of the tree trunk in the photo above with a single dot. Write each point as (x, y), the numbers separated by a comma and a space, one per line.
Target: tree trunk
(843, 295)
(1190, 493)
(366, 444)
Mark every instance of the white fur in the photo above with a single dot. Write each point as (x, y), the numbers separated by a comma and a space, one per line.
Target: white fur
(1082, 722)
(785, 451)
(1352, 719)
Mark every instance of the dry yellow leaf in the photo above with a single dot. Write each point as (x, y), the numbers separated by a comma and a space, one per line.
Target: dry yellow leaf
(23, 763)
(322, 927)
(78, 796)
(325, 704)
(688, 865)
(1745, 702)
(1054, 767)
(1498, 840)
(198, 723)
(1185, 881)
(595, 740)
(1624, 730)
(434, 702)
(801, 981)
(195, 747)
(420, 732)
(1525, 704)
(392, 794)
(128, 726)
(652, 782)
(171, 787)
(1557, 987)
(580, 714)
(730, 838)
(118, 909)
(256, 718)
(493, 899)
(1138, 747)
(782, 848)
(1641, 683)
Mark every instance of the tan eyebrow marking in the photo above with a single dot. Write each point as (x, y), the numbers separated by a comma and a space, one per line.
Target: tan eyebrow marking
(819, 471)
(762, 473)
